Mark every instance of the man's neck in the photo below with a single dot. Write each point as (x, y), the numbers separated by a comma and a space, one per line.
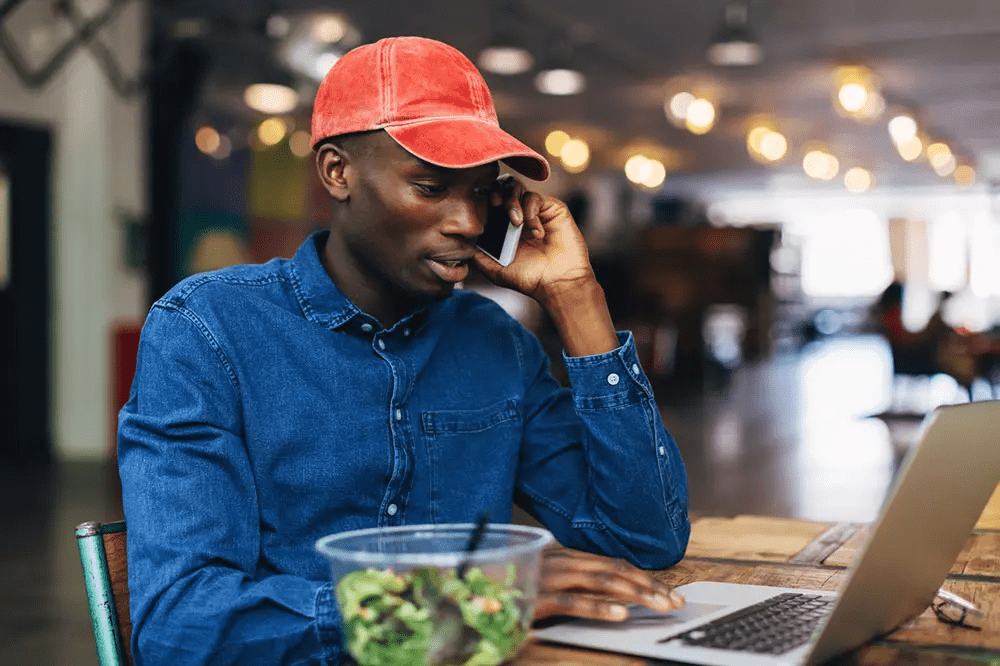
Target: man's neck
(364, 291)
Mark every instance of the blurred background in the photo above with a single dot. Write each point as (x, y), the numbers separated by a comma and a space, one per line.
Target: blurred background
(795, 207)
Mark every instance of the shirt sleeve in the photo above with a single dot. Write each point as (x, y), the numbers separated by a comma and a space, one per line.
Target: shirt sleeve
(198, 593)
(598, 467)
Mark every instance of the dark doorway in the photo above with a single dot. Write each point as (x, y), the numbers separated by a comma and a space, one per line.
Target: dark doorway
(24, 294)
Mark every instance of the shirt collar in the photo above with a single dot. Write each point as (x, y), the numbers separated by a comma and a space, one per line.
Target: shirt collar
(320, 299)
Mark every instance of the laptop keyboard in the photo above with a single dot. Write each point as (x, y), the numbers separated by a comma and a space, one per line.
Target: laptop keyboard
(773, 626)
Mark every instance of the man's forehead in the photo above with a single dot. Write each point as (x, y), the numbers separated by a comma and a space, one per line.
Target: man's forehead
(490, 168)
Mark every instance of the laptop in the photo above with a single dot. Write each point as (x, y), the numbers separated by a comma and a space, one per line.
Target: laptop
(939, 493)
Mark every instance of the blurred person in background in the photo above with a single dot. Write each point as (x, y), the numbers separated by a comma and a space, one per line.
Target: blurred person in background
(355, 386)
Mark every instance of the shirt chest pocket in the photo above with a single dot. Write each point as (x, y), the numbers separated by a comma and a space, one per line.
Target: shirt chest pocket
(473, 455)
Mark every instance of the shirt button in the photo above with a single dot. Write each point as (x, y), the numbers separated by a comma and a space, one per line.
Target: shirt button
(391, 509)
(381, 344)
(613, 379)
(635, 368)
(406, 332)
(367, 328)
(399, 415)
(662, 451)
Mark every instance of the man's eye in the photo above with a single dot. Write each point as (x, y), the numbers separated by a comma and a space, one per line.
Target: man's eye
(429, 189)
(483, 192)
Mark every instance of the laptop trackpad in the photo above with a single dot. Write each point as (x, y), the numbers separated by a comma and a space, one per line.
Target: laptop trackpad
(640, 615)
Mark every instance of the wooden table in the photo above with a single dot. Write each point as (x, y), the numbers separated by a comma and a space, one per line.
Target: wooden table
(796, 553)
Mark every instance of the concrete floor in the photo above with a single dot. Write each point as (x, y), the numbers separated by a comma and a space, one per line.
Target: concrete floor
(790, 437)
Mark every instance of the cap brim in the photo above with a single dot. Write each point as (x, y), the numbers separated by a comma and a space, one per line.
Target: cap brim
(459, 143)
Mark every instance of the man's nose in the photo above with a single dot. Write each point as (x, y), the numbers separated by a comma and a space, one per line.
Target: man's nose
(465, 217)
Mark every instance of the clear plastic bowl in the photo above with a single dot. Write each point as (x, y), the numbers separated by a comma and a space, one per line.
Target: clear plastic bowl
(402, 602)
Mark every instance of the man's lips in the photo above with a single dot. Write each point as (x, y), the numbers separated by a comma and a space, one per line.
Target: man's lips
(450, 268)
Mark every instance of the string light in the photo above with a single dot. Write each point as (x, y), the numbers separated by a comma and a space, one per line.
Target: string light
(678, 104)
(207, 139)
(902, 128)
(554, 142)
(575, 155)
(560, 82)
(645, 171)
(299, 144)
(858, 180)
(700, 117)
(224, 149)
(820, 164)
(270, 98)
(271, 131)
(766, 144)
(964, 175)
(911, 149)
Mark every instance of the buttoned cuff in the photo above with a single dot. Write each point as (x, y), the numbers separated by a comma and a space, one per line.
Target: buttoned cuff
(609, 379)
(328, 623)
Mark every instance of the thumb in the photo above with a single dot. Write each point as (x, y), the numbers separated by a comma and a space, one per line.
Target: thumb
(487, 266)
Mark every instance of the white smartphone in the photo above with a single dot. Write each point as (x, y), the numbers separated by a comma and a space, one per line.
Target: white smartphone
(500, 237)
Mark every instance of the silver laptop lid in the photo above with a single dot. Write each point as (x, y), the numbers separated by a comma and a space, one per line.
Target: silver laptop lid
(940, 491)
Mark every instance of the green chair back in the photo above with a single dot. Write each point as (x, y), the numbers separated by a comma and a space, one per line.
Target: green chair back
(105, 575)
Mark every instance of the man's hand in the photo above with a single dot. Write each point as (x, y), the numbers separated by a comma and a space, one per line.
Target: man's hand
(594, 587)
(552, 266)
(552, 252)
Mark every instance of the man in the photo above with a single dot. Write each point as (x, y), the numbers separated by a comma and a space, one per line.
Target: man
(350, 387)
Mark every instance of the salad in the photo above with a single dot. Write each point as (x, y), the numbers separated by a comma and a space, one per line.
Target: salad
(431, 617)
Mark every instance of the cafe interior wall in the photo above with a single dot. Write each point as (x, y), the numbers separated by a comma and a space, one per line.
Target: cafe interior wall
(258, 203)
(98, 184)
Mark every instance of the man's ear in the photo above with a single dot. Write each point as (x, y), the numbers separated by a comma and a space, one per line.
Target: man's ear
(331, 161)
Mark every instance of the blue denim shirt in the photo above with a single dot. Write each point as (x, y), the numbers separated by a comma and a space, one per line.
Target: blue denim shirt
(267, 411)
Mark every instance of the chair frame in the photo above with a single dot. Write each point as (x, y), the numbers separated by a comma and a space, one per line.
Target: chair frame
(108, 615)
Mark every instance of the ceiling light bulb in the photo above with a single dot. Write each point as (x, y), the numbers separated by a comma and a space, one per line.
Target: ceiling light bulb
(755, 138)
(735, 45)
(299, 143)
(654, 173)
(575, 155)
(820, 164)
(700, 116)
(505, 60)
(636, 168)
(271, 131)
(902, 128)
(207, 140)
(964, 175)
(735, 54)
(832, 167)
(328, 29)
(773, 146)
(938, 154)
(270, 98)
(852, 96)
(945, 167)
(910, 149)
(679, 104)
(858, 180)
(555, 140)
(560, 82)
(873, 107)
(224, 148)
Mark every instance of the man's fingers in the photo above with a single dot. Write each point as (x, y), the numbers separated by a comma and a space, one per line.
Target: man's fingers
(507, 192)
(578, 605)
(608, 584)
(572, 569)
(531, 206)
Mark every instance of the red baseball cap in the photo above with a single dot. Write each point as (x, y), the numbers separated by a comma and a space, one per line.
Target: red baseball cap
(427, 96)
